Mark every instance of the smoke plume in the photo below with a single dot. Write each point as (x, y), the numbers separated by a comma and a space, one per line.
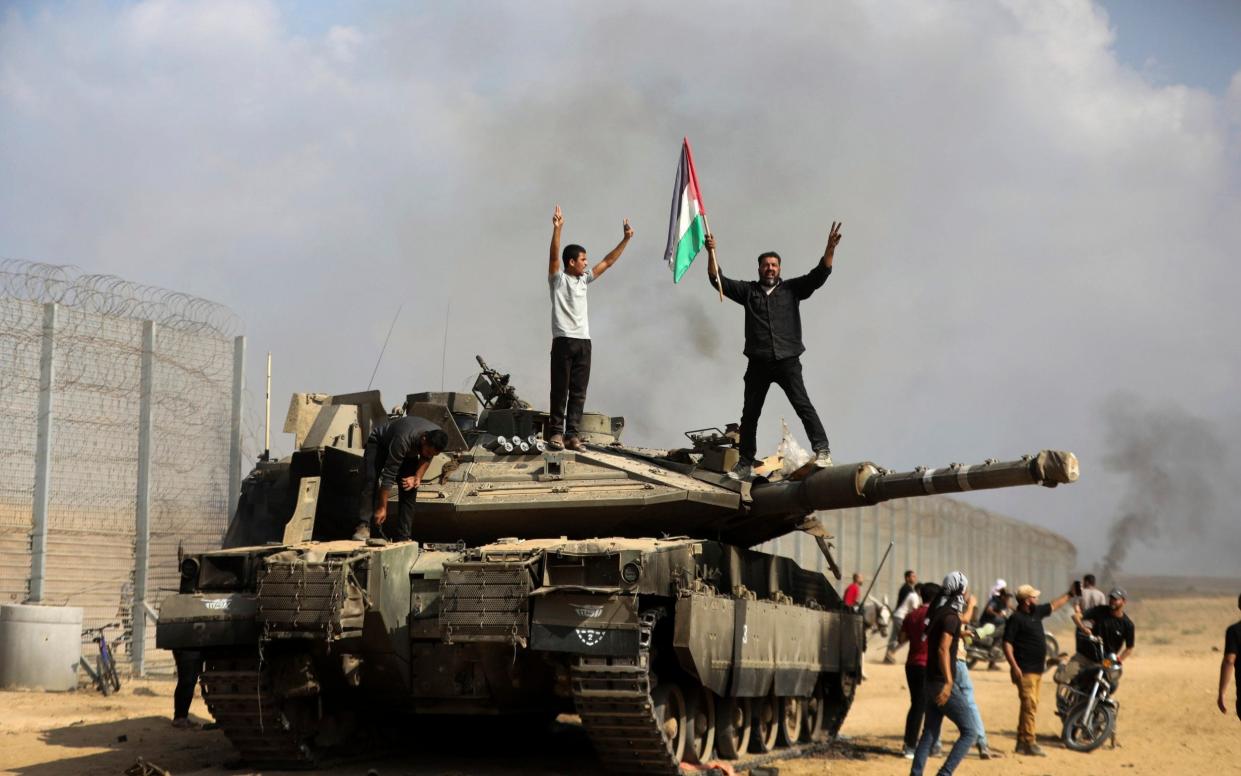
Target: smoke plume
(1173, 464)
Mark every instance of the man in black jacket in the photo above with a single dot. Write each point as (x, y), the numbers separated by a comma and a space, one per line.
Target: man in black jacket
(397, 453)
(773, 344)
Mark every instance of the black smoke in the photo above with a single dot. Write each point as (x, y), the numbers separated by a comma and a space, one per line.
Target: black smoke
(1174, 465)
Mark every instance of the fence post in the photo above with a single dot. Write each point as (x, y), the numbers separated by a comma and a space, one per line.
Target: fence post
(234, 453)
(43, 457)
(857, 538)
(142, 510)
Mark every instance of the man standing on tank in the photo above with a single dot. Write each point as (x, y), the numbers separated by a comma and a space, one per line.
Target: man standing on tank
(773, 344)
(397, 452)
(570, 361)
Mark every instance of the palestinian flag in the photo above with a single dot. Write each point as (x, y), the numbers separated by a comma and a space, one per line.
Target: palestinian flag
(687, 226)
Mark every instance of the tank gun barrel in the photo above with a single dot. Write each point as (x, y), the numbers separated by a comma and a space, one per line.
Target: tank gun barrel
(864, 484)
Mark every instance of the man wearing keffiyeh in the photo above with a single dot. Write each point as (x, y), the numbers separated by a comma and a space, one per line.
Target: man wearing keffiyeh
(944, 698)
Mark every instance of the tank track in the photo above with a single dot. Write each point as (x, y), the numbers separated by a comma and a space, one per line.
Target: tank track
(613, 698)
(239, 695)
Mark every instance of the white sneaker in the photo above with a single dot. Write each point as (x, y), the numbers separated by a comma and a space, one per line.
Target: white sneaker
(823, 459)
(907, 753)
(744, 471)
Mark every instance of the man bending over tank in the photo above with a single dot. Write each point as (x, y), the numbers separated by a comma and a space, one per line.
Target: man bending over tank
(571, 334)
(397, 452)
(773, 344)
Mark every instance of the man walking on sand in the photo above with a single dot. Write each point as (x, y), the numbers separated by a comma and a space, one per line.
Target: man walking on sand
(944, 697)
(773, 344)
(570, 361)
(1229, 665)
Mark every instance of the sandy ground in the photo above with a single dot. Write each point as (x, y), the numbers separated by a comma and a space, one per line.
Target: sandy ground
(1168, 722)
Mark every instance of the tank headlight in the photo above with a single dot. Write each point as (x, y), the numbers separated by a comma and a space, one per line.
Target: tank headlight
(189, 568)
(631, 572)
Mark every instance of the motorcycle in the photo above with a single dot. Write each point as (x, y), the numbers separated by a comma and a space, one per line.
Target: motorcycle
(1084, 698)
(990, 648)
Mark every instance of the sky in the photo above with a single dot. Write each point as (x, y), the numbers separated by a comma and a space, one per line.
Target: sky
(1041, 204)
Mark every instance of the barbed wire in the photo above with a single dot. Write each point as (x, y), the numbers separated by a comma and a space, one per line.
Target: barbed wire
(96, 398)
(114, 297)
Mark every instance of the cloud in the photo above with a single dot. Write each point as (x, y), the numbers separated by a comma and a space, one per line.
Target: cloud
(1028, 224)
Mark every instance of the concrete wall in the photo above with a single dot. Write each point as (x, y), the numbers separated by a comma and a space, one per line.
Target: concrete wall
(932, 536)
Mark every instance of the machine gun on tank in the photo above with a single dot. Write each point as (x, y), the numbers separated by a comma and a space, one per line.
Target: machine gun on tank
(494, 391)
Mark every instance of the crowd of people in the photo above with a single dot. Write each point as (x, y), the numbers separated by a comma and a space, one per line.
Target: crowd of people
(936, 621)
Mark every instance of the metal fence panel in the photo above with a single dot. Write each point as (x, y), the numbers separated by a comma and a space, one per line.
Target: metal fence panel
(97, 398)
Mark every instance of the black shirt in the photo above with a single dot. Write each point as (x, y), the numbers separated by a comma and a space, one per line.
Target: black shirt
(943, 621)
(1232, 646)
(773, 320)
(1116, 632)
(398, 441)
(1025, 632)
(989, 617)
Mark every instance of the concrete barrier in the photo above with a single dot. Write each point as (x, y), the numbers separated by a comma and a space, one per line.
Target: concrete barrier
(40, 647)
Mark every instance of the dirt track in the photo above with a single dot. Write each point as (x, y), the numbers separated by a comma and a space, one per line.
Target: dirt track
(1168, 722)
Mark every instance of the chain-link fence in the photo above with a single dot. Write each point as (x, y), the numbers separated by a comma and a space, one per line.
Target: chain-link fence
(933, 536)
(120, 415)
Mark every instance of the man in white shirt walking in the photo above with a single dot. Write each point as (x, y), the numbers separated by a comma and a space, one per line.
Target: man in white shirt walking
(570, 362)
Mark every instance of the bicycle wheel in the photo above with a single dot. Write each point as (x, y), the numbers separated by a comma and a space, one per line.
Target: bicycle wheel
(108, 673)
(113, 676)
(101, 675)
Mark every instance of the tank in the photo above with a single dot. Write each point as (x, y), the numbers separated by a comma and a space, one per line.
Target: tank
(617, 584)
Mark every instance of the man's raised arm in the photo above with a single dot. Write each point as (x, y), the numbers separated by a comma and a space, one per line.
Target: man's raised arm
(813, 280)
(833, 239)
(553, 259)
(733, 289)
(611, 258)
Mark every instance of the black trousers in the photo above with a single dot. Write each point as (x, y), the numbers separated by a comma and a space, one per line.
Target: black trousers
(570, 376)
(786, 373)
(915, 678)
(189, 666)
(374, 458)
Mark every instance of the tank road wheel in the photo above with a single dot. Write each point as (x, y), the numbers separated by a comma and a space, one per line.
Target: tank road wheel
(673, 718)
(766, 725)
(812, 724)
(732, 727)
(791, 712)
(702, 721)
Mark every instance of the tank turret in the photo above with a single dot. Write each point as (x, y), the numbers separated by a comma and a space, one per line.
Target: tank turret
(616, 582)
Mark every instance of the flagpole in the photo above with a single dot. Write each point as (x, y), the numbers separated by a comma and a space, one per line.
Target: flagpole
(719, 283)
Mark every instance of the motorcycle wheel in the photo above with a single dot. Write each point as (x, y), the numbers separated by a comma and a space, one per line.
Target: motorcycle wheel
(1087, 735)
(971, 662)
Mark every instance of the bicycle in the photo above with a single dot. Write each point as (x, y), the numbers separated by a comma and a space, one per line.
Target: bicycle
(106, 677)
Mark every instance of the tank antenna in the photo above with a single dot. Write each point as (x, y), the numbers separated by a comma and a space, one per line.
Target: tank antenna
(267, 414)
(878, 568)
(444, 351)
(385, 345)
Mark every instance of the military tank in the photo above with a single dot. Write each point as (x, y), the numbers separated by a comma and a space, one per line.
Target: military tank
(616, 583)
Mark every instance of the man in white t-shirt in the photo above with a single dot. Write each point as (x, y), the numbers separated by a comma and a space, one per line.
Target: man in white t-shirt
(571, 334)
(907, 599)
